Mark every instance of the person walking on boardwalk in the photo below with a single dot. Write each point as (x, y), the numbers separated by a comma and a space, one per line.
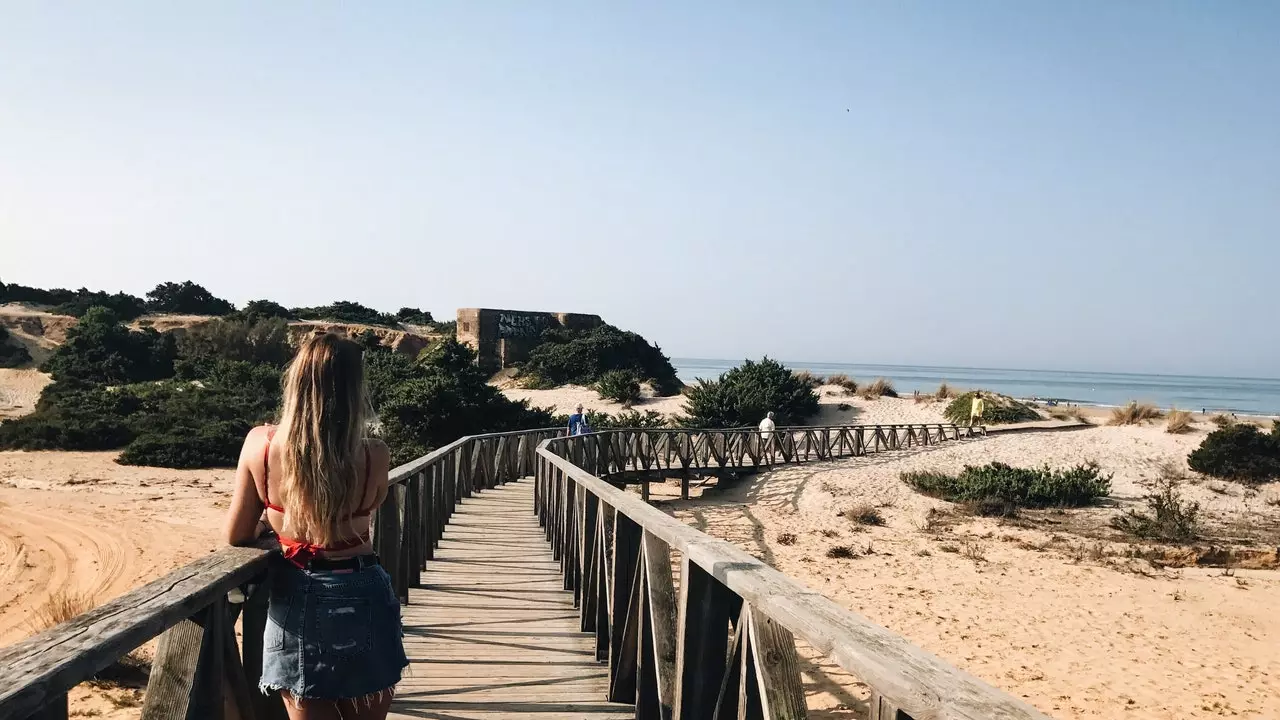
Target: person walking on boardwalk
(767, 427)
(333, 644)
(578, 423)
(976, 409)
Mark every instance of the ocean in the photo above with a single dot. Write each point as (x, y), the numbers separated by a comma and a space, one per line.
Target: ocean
(1248, 396)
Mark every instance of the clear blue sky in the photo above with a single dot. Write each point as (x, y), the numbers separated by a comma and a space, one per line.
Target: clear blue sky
(1084, 185)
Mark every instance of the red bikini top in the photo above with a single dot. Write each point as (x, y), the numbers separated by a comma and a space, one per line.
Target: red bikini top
(297, 551)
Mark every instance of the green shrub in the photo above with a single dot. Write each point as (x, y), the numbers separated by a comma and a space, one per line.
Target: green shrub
(741, 397)
(1239, 452)
(631, 419)
(349, 312)
(999, 409)
(261, 309)
(123, 305)
(256, 339)
(439, 397)
(414, 316)
(448, 329)
(73, 416)
(12, 354)
(619, 385)
(186, 298)
(581, 357)
(215, 444)
(101, 350)
(998, 488)
(1169, 517)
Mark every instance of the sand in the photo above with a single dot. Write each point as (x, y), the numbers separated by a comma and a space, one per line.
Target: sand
(1064, 620)
(19, 390)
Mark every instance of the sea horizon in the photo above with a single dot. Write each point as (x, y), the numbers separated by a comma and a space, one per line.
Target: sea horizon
(1209, 393)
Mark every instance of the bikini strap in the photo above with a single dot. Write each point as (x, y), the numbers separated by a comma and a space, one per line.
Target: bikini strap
(266, 471)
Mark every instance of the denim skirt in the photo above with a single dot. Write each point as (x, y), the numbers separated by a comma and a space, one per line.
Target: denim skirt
(332, 635)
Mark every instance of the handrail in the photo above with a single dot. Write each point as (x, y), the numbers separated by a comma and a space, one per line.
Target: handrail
(615, 551)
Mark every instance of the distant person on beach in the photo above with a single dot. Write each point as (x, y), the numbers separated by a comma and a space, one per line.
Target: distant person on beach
(767, 427)
(976, 409)
(332, 643)
(578, 423)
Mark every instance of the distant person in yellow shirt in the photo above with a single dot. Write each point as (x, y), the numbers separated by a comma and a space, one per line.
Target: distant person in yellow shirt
(976, 409)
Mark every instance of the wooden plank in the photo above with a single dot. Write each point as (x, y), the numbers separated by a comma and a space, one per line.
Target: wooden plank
(774, 669)
(491, 634)
(624, 613)
(663, 609)
(196, 674)
(702, 641)
(42, 668)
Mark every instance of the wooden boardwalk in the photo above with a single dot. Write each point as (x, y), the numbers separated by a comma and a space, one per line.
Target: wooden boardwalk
(491, 634)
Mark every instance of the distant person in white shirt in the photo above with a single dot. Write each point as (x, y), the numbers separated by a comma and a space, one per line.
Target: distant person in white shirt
(767, 427)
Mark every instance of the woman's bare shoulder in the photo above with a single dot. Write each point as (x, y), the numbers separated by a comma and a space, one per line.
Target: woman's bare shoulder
(257, 437)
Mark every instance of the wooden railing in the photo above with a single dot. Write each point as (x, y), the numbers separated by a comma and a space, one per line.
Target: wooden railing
(198, 664)
(721, 642)
(669, 647)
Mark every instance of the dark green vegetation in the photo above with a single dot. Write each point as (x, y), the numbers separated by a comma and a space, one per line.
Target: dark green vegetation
(11, 353)
(190, 403)
(414, 316)
(596, 420)
(741, 397)
(582, 357)
(999, 489)
(999, 410)
(441, 396)
(619, 385)
(1240, 452)
(257, 309)
(186, 298)
(350, 312)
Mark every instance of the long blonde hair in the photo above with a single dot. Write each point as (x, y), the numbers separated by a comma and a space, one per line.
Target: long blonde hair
(323, 422)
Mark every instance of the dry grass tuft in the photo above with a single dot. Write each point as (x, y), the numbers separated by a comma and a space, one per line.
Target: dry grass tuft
(1179, 422)
(829, 533)
(61, 606)
(1135, 413)
(880, 387)
(944, 392)
(974, 550)
(808, 378)
(863, 515)
(843, 381)
(1071, 413)
(842, 552)
(1222, 420)
(786, 538)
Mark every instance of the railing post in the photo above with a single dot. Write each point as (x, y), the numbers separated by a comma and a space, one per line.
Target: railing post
(197, 671)
(386, 540)
(706, 609)
(624, 611)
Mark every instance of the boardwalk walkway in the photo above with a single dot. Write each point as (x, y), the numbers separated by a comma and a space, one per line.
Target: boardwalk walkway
(492, 634)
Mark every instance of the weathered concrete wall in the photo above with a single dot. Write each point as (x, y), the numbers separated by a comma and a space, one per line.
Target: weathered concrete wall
(502, 338)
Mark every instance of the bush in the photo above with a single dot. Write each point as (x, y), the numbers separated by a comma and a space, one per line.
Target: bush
(414, 316)
(441, 396)
(1135, 413)
(1179, 422)
(186, 298)
(254, 339)
(880, 387)
(998, 488)
(945, 391)
(262, 309)
(630, 419)
(350, 312)
(864, 515)
(581, 357)
(1239, 452)
(808, 378)
(12, 354)
(448, 329)
(123, 305)
(73, 416)
(841, 552)
(1169, 517)
(742, 396)
(1000, 409)
(846, 383)
(619, 385)
(101, 350)
(1222, 420)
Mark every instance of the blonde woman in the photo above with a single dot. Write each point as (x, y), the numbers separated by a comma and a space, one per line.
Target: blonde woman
(333, 644)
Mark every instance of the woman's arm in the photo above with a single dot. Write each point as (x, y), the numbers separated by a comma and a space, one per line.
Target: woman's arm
(241, 527)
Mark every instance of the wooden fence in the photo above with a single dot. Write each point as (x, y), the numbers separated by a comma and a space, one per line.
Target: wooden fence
(669, 646)
(198, 664)
(720, 642)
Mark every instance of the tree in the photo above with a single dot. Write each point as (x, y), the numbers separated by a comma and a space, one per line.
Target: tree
(742, 397)
(258, 309)
(414, 316)
(186, 298)
(581, 357)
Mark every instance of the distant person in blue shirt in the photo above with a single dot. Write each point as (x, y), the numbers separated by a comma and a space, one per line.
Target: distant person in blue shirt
(578, 423)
